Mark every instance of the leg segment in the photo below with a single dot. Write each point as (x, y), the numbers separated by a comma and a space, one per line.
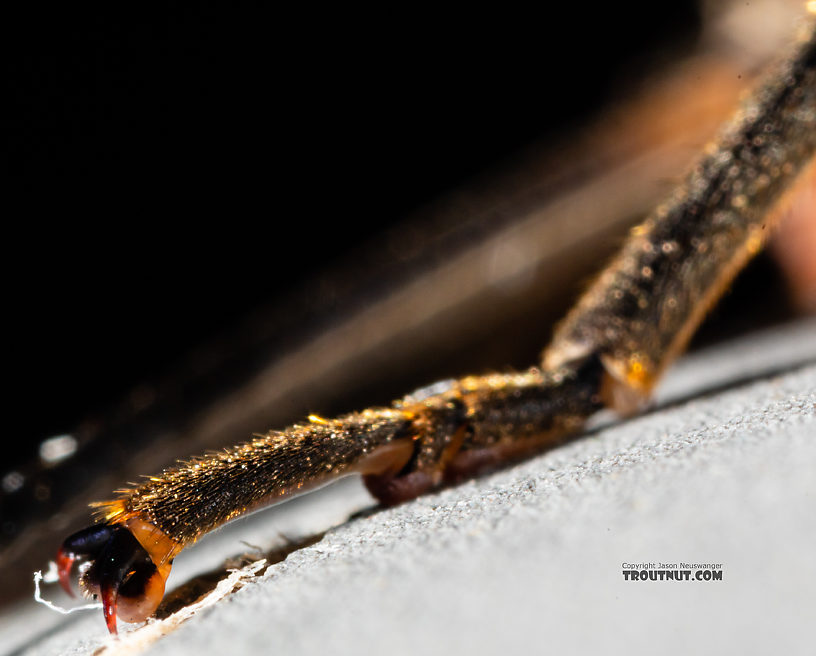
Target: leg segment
(642, 310)
(610, 351)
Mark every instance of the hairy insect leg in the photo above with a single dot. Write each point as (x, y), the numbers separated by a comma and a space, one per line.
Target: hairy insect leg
(469, 426)
(609, 352)
(644, 307)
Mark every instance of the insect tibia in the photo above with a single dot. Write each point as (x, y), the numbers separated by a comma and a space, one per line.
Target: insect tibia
(642, 310)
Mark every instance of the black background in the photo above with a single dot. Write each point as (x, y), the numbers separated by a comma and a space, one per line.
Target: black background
(171, 169)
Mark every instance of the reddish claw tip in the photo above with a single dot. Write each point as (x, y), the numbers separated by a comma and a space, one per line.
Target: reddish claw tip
(65, 561)
(109, 596)
(81, 544)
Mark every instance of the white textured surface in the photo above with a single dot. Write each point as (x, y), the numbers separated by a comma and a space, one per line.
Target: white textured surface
(529, 559)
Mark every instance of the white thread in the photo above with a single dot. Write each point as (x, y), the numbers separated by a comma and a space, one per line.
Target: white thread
(51, 576)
